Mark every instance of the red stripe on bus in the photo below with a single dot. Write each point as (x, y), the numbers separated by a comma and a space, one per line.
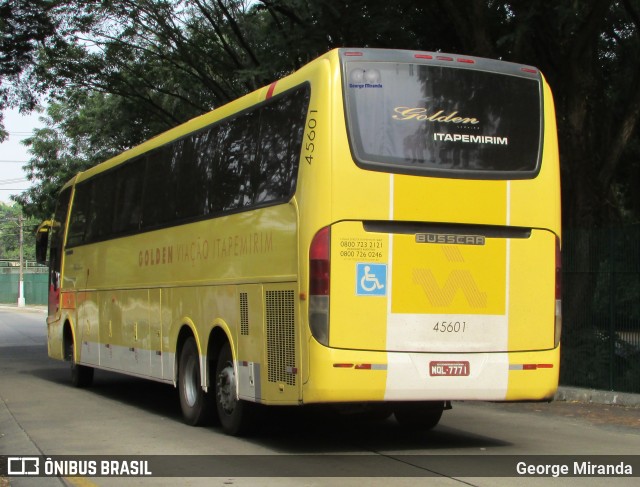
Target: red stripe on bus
(271, 89)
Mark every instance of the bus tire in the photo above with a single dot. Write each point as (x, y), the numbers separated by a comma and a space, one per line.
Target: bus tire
(422, 416)
(194, 401)
(237, 417)
(81, 375)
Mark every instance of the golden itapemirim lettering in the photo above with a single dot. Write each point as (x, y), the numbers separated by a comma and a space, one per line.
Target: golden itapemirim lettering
(155, 256)
(204, 249)
(239, 245)
(421, 114)
(193, 251)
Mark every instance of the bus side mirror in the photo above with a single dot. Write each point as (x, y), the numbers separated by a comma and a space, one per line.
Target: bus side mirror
(42, 242)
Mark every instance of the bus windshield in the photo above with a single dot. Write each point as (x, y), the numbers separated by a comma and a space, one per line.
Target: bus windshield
(443, 121)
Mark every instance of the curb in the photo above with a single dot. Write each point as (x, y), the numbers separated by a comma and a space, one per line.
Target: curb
(28, 309)
(596, 396)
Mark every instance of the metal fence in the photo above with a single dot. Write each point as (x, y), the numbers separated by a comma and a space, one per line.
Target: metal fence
(601, 329)
(35, 285)
(13, 266)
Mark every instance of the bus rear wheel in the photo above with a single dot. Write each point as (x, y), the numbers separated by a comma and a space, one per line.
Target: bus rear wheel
(194, 401)
(423, 416)
(237, 417)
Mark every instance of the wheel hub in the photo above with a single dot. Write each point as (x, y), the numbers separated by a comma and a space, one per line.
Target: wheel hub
(226, 388)
(190, 386)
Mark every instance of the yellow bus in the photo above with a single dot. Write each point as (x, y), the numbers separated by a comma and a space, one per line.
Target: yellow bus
(378, 230)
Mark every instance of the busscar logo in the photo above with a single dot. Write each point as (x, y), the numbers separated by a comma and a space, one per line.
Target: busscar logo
(451, 239)
(19, 466)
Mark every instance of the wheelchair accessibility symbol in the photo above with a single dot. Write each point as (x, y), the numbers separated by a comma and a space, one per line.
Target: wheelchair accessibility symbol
(371, 279)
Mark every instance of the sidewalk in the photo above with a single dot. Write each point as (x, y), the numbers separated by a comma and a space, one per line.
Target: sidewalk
(577, 394)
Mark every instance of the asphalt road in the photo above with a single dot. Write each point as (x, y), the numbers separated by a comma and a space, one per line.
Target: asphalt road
(42, 414)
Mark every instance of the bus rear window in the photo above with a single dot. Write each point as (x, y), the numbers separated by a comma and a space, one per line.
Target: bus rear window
(443, 121)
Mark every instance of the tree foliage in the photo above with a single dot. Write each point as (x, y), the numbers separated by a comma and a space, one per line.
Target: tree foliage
(10, 234)
(119, 71)
(25, 26)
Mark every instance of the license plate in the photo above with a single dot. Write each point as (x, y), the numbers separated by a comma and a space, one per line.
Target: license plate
(439, 369)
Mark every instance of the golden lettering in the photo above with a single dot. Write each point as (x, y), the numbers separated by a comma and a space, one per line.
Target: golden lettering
(155, 256)
(422, 115)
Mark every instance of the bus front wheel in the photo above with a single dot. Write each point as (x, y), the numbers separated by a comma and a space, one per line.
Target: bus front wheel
(194, 401)
(237, 417)
(81, 375)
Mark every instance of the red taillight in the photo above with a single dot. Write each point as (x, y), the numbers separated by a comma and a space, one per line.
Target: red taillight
(319, 285)
(424, 56)
(319, 263)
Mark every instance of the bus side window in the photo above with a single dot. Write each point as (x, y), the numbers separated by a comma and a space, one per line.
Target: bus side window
(281, 131)
(101, 207)
(207, 161)
(236, 146)
(160, 188)
(128, 199)
(78, 221)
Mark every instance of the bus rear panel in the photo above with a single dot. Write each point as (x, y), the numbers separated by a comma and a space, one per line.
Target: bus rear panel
(443, 249)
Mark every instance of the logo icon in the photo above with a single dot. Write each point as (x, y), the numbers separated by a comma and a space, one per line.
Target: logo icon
(443, 295)
(23, 466)
(371, 279)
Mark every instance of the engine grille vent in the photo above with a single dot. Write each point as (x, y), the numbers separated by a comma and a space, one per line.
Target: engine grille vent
(281, 344)
(244, 314)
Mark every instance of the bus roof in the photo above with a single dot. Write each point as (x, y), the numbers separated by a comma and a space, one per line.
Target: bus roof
(335, 55)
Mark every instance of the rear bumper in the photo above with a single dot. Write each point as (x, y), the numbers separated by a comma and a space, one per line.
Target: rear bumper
(361, 376)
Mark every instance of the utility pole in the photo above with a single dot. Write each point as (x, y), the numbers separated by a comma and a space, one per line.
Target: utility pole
(21, 301)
